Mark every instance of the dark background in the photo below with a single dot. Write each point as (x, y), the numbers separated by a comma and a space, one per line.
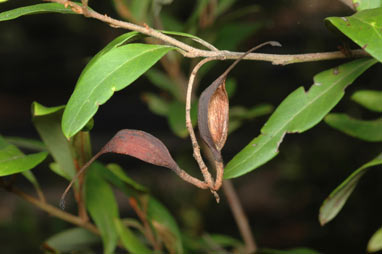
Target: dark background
(41, 57)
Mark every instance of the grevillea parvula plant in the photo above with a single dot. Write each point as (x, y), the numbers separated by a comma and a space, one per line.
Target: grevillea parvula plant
(65, 130)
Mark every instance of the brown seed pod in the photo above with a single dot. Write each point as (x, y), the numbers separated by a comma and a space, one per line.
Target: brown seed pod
(213, 111)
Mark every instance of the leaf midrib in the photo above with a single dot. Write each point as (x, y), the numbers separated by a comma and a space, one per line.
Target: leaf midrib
(97, 85)
(298, 112)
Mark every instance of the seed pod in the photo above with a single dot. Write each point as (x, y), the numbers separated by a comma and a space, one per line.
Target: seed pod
(213, 110)
(213, 116)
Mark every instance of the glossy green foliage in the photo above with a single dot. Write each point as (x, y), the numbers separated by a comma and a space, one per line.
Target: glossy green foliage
(300, 111)
(35, 9)
(47, 121)
(375, 242)
(111, 72)
(369, 99)
(13, 161)
(364, 28)
(102, 206)
(129, 240)
(337, 199)
(367, 4)
(366, 130)
(71, 240)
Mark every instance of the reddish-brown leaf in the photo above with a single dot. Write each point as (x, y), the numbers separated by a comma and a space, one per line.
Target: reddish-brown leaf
(140, 145)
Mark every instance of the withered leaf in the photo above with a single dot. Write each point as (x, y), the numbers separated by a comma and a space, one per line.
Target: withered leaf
(135, 143)
(141, 145)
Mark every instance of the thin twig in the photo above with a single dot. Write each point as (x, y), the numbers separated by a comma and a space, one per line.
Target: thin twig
(53, 210)
(240, 217)
(192, 52)
(195, 145)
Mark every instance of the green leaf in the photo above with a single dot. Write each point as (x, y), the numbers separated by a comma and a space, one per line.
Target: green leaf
(367, 4)
(165, 225)
(120, 40)
(35, 9)
(300, 111)
(111, 72)
(47, 121)
(13, 161)
(27, 143)
(375, 242)
(241, 32)
(370, 99)
(102, 206)
(162, 81)
(364, 28)
(118, 172)
(336, 200)
(177, 118)
(156, 104)
(57, 169)
(129, 240)
(71, 240)
(365, 130)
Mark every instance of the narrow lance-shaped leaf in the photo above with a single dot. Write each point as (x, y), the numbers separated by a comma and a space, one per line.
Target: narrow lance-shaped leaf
(369, 99)
(366, 130)
(129, 240)
(111, 72)
(337, 199)
(13, 161)
(71, 240)
(165, 225)
(47, 121)
(102, 206)
(375, 242)
(364, 28)
(35, 9)
(299, 112)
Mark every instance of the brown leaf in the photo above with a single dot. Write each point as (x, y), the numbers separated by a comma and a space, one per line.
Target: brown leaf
(140, 145)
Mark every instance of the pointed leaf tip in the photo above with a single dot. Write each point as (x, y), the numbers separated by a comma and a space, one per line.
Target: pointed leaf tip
(140, 145)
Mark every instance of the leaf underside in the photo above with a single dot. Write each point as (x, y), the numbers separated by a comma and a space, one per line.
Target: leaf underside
(337, 199)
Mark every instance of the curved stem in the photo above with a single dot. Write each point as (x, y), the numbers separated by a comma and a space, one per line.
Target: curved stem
(195, 145)
(54, 211)
(192, 52)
